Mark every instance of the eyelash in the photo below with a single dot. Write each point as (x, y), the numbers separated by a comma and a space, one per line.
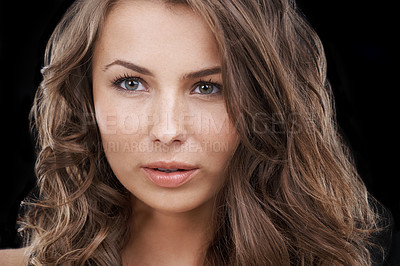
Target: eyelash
(118, 80)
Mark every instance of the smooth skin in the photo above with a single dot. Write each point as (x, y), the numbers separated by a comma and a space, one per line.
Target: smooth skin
(13, 257)
(158, 97)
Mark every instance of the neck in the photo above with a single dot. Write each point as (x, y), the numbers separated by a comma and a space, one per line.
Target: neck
(167, 238)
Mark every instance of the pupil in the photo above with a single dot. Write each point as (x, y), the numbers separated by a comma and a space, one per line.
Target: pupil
(206, 88)
(131, 84)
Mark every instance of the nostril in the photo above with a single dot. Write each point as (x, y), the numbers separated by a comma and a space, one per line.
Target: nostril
(166, 128)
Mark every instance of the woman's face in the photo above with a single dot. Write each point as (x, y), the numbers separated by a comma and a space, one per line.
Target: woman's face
(159, 106)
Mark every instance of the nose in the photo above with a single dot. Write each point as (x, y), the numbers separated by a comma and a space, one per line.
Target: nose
(166, 120)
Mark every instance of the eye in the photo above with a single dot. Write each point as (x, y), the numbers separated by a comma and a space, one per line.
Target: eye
(132, 84)
(129, 84)
(207, 88)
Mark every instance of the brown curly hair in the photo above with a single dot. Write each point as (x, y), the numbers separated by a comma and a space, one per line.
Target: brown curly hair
(292, 196)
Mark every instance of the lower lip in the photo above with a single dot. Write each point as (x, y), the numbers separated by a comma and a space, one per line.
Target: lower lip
(169, 180)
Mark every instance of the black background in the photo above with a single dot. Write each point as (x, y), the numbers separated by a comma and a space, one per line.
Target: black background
(361, 44)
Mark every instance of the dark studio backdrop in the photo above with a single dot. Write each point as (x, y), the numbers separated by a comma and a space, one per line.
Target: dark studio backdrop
(359, 39)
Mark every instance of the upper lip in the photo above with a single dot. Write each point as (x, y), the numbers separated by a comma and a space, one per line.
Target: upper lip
(170, 165)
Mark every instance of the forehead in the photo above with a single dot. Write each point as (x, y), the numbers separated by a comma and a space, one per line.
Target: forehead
(142, 30)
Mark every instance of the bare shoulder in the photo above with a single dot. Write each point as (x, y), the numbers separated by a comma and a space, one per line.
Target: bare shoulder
(12, 257)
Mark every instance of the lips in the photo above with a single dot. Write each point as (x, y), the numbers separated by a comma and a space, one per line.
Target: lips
(169, 174)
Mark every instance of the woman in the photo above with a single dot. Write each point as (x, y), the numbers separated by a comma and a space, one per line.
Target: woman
(191, 133)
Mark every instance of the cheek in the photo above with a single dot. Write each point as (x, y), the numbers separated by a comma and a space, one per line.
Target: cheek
(116, 118)
(119, 125)
(218, 139)
(119, 130)
(218, 131)
(119, 141)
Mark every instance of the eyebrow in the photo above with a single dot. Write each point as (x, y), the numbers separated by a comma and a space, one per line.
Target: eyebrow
(129, 65)
(145, 71)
